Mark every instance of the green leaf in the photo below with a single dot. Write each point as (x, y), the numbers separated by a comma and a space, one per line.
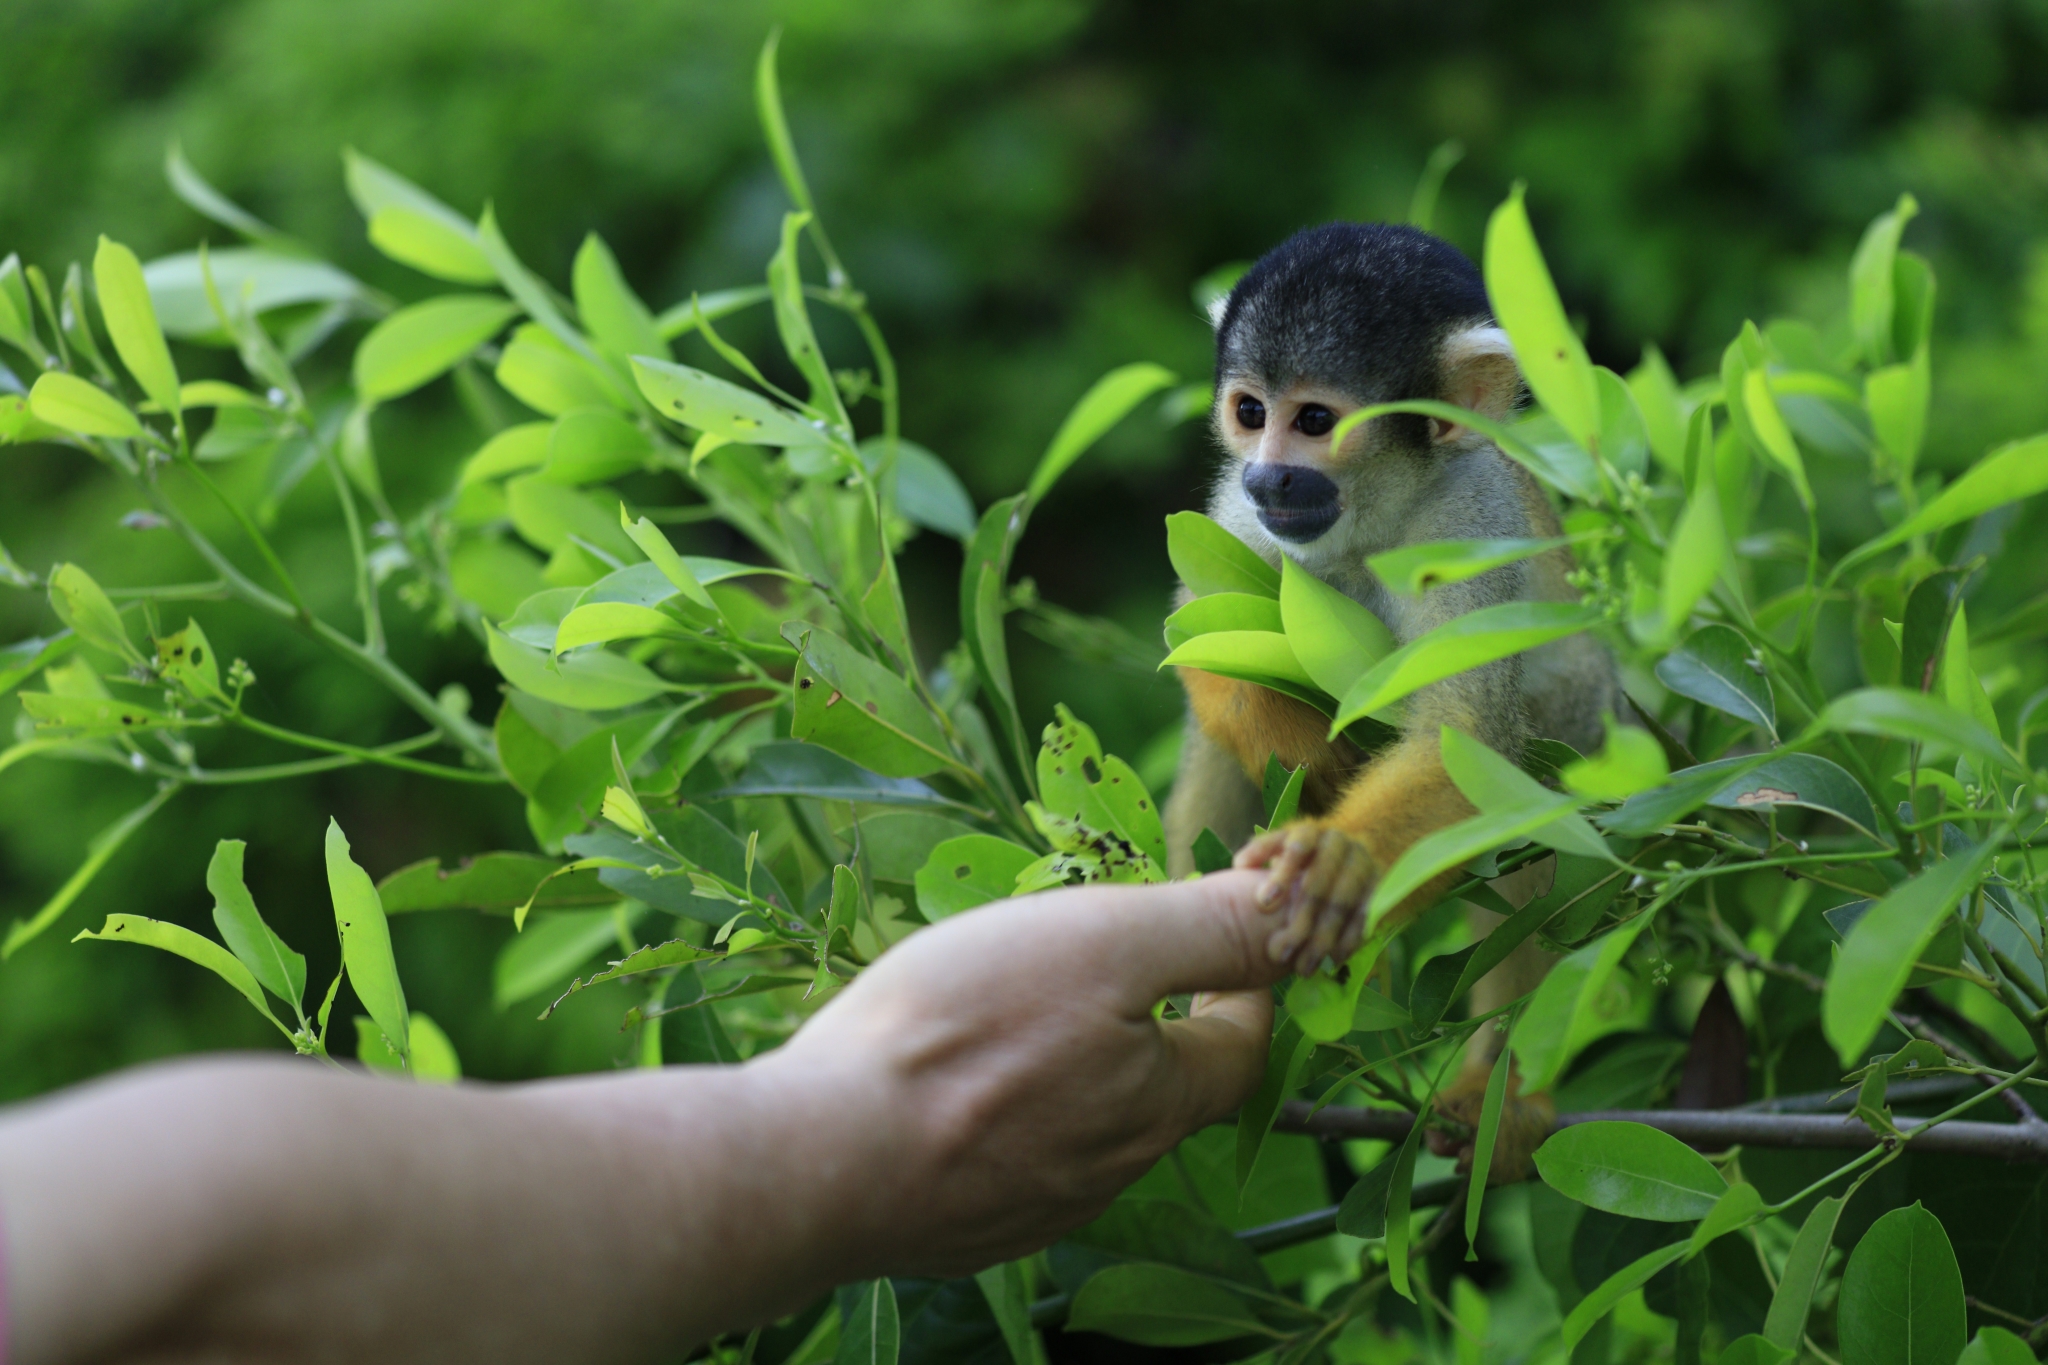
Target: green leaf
(1871, 281)
(131, 323)
(1574, 1007)
(713, 405)
(1076, 779)
(1663, 408)
(870, 1334)
(1162, 1305)
(793, 320)
(1996, 1346)
(785, 767)
(1447, 976)
(2012, 472)
(1738, 1207)
(1552, 357)
(603, 622)
(423, 342)
(1786, 1323)
(1009, 1299)
(970, 870)
(775, 126)
(1761, 409)
(1715, 667)
(1695, 557)
(1499, 788)
(618, 321)
(246, 278)
(552, 378)
(1630, 1169)
(96, 716)
(23, 659)
(1484, 1138)
(1631, 762)
(83, 605)
(374, 187)
(17, 317)
(176, 938)
(1334, 639)
(595, 680)
(74, 404)
(1802, 780)
(1454, 846)
(1221, 611)
(1363, 1213)
(1282, 791)
(1896, 713)
(656, 957)
(595, 445)
(1465, 642)
(1613, 1290)
(1688, 789)
(430, 244)
(1258, 656)
(1211, 854)
(1108, 401)
(927, 491)
(1414, 569)
(1879, 953)
(1400, 1198)
(860, 710)
(663, 556)
(1896, 397)
(1211, 559)
(1902, 1294)
(1285, 1055)
(493, 883)
(1135, 1228)
(281, 971)
(430, 1056)
(516, 448)
(550, 949)
(365, 939)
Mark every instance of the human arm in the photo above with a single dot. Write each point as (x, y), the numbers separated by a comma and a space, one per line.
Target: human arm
(986, 1085)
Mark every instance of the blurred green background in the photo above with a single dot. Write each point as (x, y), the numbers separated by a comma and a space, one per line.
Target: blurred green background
(1027, 189)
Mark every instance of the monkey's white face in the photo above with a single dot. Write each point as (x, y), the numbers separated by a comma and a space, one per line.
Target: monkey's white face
(1304, 493)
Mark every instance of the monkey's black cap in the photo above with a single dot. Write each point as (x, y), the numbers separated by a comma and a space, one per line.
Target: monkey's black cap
(1362, 307)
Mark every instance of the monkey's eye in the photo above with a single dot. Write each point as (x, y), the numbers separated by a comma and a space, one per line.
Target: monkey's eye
(1314, 420)
(1251, 413)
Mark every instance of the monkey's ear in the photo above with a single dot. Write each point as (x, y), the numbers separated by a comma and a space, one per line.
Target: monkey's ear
(1479, 373)
(1218, 306)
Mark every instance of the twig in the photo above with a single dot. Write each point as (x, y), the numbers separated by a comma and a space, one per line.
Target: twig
(2018, 1142)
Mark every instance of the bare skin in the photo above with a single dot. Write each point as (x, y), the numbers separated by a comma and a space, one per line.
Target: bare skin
(950, 1109)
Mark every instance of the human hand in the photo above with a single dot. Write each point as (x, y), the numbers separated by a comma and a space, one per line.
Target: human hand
(1004, 1073)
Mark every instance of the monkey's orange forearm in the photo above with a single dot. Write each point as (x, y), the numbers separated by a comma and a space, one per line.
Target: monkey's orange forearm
(1252, 722)
(1401, 797)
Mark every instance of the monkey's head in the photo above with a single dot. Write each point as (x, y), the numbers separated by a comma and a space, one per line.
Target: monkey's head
(1334, 319)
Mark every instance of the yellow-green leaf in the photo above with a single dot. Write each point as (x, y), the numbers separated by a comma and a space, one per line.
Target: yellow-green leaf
(74, 404)
(131, 323)
(1552, 357)
(423, 342)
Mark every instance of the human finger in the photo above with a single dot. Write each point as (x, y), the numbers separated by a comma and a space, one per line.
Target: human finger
(1220, 1050)
(1184, 936)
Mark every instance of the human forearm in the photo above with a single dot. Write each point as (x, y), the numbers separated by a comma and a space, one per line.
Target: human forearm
(290, 1213)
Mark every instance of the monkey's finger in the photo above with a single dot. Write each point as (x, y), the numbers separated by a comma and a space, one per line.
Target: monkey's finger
(1260, 851)
(1299, 845)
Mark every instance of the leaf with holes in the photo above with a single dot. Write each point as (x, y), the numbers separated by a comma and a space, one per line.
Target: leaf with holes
(848, 703)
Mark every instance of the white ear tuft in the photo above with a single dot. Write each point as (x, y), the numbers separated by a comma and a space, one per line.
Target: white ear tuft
(1480, 372)
(1474, 342)
(1217, 307)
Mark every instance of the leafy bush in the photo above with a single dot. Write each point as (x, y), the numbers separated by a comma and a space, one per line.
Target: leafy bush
(742, 776)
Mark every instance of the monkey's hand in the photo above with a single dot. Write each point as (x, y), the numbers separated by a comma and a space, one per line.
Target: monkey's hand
(1318, 880)
(1525, 1120)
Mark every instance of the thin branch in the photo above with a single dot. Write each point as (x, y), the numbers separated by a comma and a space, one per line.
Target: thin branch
(2018, 1142)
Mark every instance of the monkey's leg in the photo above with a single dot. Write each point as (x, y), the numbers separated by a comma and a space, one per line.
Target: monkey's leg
(1252, 723)
(1525, 1120)
(1210, 791)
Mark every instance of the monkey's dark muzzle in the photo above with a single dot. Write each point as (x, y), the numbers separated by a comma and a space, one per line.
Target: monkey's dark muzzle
(1295, 502)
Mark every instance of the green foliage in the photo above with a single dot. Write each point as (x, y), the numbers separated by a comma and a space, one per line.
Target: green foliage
(748, 775)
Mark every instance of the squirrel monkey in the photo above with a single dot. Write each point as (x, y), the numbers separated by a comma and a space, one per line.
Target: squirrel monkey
(1334, 319)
